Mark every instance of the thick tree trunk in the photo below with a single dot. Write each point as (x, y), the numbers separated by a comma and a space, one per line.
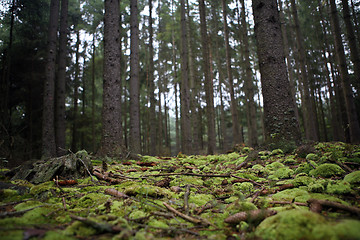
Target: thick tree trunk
(354, 128)
(153, 142)
(111, 137)
(184, 98)
(60, 124)
(48, 128)
(134, 141)
(308, 105)
(249, 84)
(93, 142)
(237, 134)
(280, 121)
(210, 114)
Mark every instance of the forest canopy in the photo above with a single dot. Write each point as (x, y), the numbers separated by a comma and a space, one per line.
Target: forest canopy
(159, 77)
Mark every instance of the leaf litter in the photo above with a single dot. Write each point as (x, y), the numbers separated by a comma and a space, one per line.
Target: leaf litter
(311, 193)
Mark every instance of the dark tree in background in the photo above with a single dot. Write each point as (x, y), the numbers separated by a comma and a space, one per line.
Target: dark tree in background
(279, 115)
(111, 137)
(48, 128)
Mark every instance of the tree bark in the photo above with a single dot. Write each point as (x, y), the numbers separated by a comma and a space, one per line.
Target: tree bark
(48, 128)
(184, 98)
(135, 141)
(75, 134)
(308, 105)
(153, 142)
(60, 124)
(111, 137)
(354, 128)
(249, 85)
(237, 134)
(209, 95)
(279, 116)
(93, 142)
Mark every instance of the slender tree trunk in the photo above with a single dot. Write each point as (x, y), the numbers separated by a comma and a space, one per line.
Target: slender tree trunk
(210, 114)
(184, 98)
(237, 135)
(249, 85)
(308, 106)
(354, 53)
(111, 141)
(135, 142)
(193, 85)
(153, 142)
(356, 23)
(48, 128)
(93, 142)
(83, 95)
(60, 126)
(280, 121)
(76, 96)
(354, 128)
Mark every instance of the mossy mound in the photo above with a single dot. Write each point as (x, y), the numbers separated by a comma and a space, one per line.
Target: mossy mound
(353, 178)
(327, 170)
(305, 225)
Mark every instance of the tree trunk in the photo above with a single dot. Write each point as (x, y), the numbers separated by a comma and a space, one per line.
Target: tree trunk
(279, 115)
(354, 128)
(184, 98)
(134, 141)
(48, 128)
(249, 85)
(210, 114)
(93, 142)
(308, 105)
(354, 53)
(76, 96)
(60, 126)
(237, 135)
(111, 137)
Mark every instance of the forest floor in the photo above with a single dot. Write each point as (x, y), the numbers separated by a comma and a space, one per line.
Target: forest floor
(311, 193)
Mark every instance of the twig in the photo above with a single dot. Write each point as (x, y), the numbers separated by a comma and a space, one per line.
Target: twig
(64, 203)
(99, 227)
(184, 216)
(186, 199)
(246, 180)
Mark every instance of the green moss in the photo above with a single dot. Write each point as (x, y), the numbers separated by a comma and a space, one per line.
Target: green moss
(277, 152)
(302, 180)
(304, 168)
(283, 173)
(341, 187)
(43, 190)
(258, 168)
(147, 191)
(297, 194)
(57, 235)
(327, 170)
(11, 235)
(157, 223)
(239, 206)
(78, 229)
(274, 166)
(136, 214)
(292, 224)
(184, 180)
(353, 177)
(8, 195)
(91, 200)
(244, 187)
(312, 157)
(200, 199)
(27, 205)
(316, 187)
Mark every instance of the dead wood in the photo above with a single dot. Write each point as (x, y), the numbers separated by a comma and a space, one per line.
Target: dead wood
(250, 216)
(329, 204)
(184, 216)
(115, 193)
(99, 227)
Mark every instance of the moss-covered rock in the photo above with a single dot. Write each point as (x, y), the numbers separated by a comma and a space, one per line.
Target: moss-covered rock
(305, 225)
(353, 178)
(327, 170)
(296, 194)
(312, 157)
(284, 172)
(244, 187)
(274, 166)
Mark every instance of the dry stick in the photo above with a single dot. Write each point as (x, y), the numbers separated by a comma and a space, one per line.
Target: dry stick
(186, 199)
(326, 203)
(64, 203)
(258, 214)
(288, 202)
(186, 217)
(256, 194)
(245, 179)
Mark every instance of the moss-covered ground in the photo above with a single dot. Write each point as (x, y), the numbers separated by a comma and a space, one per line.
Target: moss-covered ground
(311, 193)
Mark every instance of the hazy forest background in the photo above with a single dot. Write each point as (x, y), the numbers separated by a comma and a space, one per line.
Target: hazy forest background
(162, 76)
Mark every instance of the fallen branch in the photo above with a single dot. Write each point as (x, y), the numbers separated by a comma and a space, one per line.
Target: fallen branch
(99, 227)
(249, 216)
(245, 179)
(115, 193)
(316, 205)
(186, 199)
(288, 202)
(184, 216)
